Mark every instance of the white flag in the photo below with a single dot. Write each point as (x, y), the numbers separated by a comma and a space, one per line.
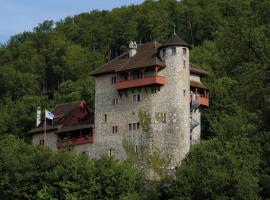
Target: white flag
(49, 115)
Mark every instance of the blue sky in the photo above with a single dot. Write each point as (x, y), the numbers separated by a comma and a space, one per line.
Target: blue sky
(23, 15)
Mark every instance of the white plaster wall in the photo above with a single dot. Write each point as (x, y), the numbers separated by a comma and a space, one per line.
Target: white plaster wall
(194, 77)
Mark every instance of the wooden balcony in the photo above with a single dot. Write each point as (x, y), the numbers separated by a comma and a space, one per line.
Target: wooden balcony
(152, 80)
(75, 141)
(204, 101)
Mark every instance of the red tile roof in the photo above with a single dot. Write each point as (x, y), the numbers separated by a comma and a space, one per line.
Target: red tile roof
(62, 112)
(195, 69)
(197, 84)
(146, 56)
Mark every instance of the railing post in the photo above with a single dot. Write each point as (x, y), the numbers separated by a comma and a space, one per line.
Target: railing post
(142, 73)
(156, 70)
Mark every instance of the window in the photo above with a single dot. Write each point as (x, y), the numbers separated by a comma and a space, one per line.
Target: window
(110, 153)
(105, 117)
(136, 98)
(173, 50)
(184, 92)
(41, 142)
(184, 51)
(113, 79)
(115, 101)
(134, 126)
(136, 148)
(155, 89)
(164, 118)
(114, 129)
(164, 52)
(184, 64)
(138, 125)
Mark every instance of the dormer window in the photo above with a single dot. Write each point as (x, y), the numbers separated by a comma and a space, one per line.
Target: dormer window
(184, 51)
(173, 50)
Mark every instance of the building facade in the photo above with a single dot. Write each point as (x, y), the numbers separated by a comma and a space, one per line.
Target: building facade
(148, 103)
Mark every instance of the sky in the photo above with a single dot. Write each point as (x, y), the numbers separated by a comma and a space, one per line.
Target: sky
(17, 16)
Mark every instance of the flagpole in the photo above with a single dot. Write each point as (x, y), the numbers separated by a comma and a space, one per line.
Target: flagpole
(45, 133)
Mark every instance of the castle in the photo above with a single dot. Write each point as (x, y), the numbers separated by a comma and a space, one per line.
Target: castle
(148, 99)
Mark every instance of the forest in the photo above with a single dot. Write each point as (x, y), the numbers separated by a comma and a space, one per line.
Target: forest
(50, 65)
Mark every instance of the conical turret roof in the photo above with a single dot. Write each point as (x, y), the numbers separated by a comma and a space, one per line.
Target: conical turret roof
(175, 40)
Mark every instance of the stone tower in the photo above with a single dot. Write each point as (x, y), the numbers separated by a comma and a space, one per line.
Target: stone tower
(174, 99)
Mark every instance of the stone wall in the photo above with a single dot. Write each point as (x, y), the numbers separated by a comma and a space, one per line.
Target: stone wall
(170, 137)
(196, 132)
(51, 140)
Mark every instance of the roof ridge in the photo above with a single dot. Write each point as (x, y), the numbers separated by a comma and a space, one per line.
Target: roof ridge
(63, 104)
(69, 102)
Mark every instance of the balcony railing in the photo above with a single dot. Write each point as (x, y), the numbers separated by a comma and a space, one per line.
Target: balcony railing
(75, 141)
(203, 100)
(153, 80)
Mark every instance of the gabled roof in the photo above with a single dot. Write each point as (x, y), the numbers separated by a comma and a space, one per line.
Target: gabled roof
(62, 113)
(146, 56)
(197, 84)
(175, 40)
(195, 69)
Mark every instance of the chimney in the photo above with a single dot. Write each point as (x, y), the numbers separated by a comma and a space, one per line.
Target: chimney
(38, 116)
(132, 49)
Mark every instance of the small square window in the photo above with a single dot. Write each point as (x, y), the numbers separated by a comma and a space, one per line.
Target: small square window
(184, 51)
(173, 50)
(130, 127)
(114, 129)
(134, 126)
(136, 148)
(138, 125)
(110, 153)
(164, 118)
(134, 98)
(115, 101)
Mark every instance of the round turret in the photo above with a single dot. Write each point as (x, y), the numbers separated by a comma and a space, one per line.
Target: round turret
(174, 45)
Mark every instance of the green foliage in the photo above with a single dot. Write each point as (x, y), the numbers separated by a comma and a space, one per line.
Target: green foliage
(29, 172)
(159, 162)
(145, 121)
(230, 38)
(223, 170)
(135, 157)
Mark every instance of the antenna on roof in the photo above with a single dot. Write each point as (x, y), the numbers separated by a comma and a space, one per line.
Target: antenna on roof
(174, 28)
